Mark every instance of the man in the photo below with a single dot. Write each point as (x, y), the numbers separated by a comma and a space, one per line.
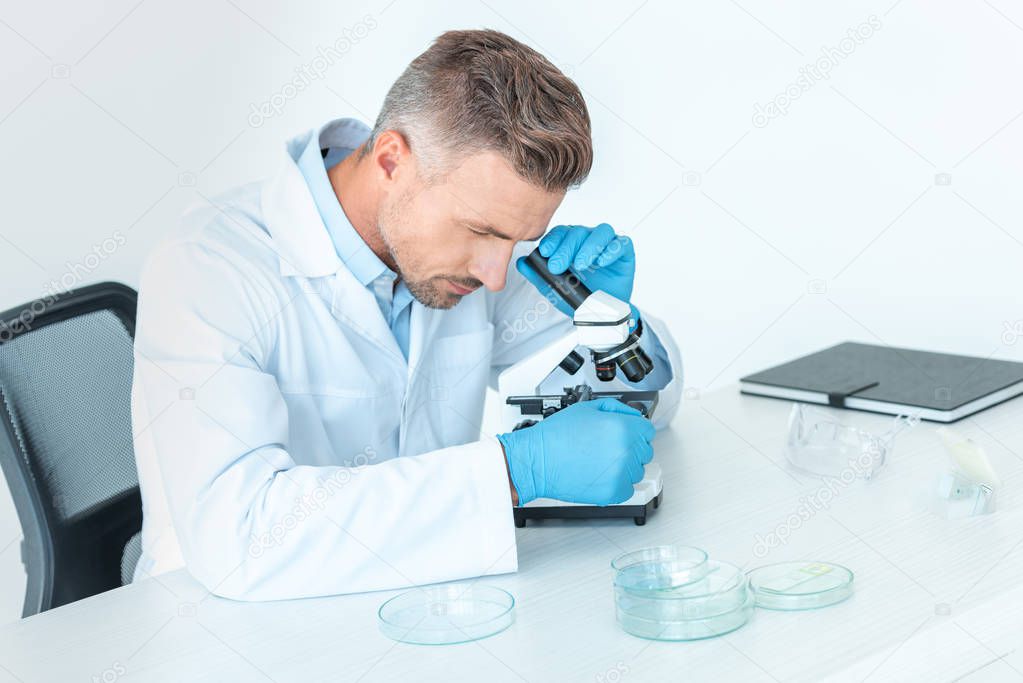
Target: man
(313, 351)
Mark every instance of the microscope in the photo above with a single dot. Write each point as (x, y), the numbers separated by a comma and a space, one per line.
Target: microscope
(601, 331)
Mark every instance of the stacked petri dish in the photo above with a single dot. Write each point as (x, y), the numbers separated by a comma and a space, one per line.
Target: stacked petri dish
(677, 593)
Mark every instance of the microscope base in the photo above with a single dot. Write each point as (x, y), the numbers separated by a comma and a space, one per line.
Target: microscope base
(637, 512)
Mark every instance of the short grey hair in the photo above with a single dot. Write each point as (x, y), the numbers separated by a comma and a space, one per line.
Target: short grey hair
(473, 91)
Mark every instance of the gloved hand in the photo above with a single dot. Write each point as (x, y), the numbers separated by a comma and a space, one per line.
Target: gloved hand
(591, 452)
(601, 259)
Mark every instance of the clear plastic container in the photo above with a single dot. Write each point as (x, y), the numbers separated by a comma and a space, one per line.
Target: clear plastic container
(820, 445)
(722, 589)
(446, 614)
(800, 585)
(664, 567)
(656, 627)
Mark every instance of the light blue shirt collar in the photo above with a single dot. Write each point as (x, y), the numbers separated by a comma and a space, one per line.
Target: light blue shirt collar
(334, 142)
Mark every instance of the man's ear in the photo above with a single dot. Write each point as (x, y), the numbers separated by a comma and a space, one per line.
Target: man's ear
(391, 155)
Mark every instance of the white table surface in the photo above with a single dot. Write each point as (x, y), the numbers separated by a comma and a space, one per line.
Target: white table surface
(935, 599)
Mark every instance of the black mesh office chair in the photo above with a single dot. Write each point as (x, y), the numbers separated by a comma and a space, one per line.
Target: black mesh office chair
(66, 441)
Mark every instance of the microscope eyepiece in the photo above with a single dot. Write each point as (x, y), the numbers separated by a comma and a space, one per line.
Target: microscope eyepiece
(568, 284)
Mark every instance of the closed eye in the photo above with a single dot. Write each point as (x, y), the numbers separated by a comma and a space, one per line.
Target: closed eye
(491, 232)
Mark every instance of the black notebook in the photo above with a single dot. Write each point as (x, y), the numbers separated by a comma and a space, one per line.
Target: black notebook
(940, 387)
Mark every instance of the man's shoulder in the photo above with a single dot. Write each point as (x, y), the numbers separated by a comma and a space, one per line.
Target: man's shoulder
(230, 220)
(227, 226)
(215, 275)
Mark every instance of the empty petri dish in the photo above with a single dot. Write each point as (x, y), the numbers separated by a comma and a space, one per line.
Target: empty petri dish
(655, 627)
(722, 589)
(446, 614)
(800, 585)
(660, 567)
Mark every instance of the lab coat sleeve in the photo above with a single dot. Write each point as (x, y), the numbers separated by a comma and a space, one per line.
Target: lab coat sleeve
(524, 321)
(251, 523)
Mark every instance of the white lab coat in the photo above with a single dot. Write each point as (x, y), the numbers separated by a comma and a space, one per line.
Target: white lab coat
(267, 391)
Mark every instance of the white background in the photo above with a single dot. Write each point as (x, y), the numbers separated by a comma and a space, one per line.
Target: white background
(756, 243)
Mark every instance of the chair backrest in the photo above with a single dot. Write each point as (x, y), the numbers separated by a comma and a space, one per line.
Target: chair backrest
(66, 441)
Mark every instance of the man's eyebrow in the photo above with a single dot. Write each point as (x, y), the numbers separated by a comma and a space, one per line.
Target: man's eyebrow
(483, 227)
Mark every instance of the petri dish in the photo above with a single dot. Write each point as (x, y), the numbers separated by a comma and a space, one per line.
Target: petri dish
(446, 614)
(800, 585)
(654, 627)
(724, 588)
(660, 567)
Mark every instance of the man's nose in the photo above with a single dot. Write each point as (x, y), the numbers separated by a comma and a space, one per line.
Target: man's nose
(491, 268)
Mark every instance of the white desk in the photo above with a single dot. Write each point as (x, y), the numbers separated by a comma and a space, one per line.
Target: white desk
(725, 484)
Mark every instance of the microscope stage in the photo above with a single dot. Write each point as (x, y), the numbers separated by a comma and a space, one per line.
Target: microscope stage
(647, 497)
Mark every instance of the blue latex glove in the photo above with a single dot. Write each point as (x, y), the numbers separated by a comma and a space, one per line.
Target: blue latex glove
(602, 260)
(591, 452)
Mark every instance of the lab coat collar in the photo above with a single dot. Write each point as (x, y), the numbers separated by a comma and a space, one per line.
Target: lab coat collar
(343, 136)
(305, 249)
(302, 241)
